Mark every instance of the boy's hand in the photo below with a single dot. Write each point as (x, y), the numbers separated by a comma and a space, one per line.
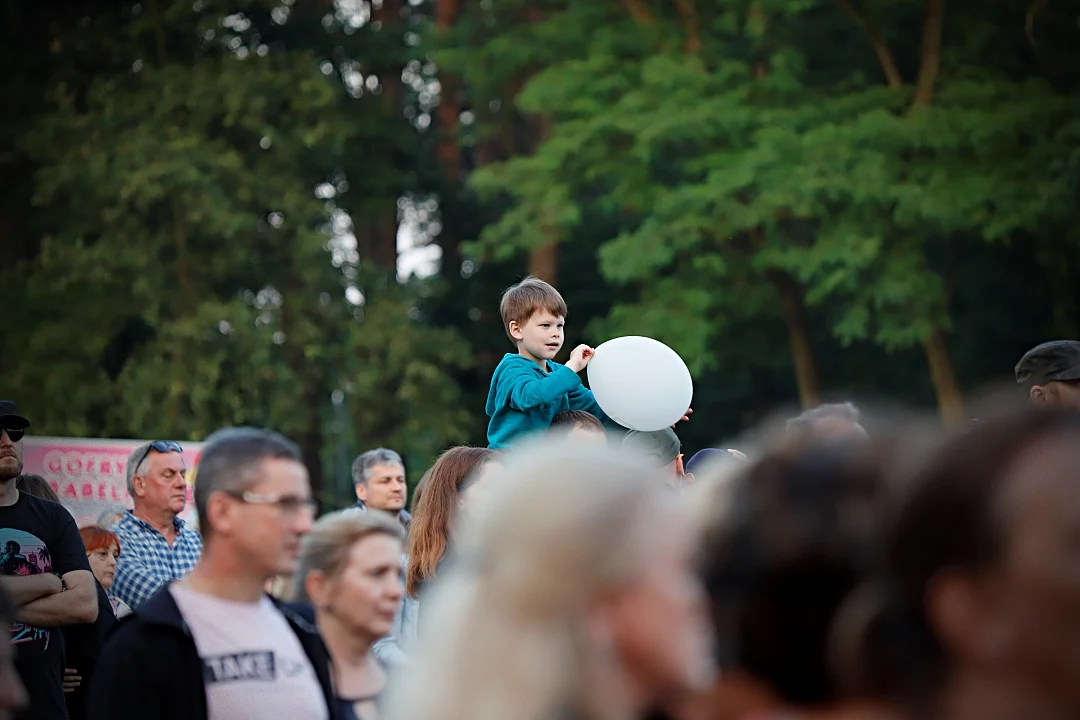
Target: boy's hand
(580, 358)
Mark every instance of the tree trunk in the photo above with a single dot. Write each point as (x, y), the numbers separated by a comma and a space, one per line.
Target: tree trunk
(544, 263)
(930, 61)
(802, 351)
(881, 48)
(950, 399)
(448, 150)
(310, 438)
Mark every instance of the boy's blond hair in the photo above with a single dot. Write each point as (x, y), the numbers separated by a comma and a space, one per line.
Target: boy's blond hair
(530, 295)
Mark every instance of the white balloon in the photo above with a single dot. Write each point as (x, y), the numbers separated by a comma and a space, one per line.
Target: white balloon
(640, 383)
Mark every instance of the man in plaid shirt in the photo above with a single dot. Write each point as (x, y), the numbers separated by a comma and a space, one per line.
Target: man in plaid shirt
(155, 545)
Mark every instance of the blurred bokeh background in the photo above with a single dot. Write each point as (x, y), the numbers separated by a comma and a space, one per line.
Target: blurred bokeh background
(301, 214)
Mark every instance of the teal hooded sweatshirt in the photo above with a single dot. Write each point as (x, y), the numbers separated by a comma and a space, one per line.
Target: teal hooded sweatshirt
(524, 399)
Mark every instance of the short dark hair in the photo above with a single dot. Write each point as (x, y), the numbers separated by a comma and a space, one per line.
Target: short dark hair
(795, 532)
(232, 462)
(572, 419)
(37, 486)
(529, 296)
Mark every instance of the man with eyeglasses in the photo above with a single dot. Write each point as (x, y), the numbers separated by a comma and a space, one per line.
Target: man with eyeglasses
(157, 547)
(214, 644)
(45, 571)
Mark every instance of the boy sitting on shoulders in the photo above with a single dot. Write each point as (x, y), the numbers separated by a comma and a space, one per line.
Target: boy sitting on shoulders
(528, 389)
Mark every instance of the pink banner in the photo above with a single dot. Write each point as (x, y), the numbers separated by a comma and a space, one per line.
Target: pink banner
(90, 476)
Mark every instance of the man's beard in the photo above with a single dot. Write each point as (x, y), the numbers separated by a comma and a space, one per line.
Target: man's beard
(6, 474)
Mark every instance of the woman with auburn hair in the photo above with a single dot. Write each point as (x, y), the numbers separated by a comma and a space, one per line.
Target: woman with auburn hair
(451, 482)
(445, 491)
(102, 549)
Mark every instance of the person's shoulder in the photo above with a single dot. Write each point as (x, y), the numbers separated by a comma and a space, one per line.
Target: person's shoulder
(513, 364)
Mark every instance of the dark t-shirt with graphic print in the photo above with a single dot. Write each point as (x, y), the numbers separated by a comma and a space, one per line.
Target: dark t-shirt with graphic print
(40, 536)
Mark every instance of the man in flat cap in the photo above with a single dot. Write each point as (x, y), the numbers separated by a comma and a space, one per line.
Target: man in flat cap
(1050, 373)
(663, 450)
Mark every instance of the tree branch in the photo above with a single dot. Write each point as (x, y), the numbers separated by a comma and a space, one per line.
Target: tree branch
(689, 16)
(930, 64)
(881, 48)
(1034, 8)
(638, 11)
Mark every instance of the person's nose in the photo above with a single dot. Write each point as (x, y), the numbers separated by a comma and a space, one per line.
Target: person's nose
(395, 589)
(303, 521)
(110, 562)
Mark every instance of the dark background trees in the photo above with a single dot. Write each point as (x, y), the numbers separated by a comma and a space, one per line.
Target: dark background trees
(808, 199)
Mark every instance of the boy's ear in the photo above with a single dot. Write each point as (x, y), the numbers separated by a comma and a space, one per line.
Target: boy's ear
(515, 330)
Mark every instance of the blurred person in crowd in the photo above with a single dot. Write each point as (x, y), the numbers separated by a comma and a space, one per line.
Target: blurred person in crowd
(103, 550)
(785, 541)
(110, 517)
(44, 571)
(13, 695)
(1050, 375)
(449, 487)
(350, 572)
(712, 459)
(158, 546)
(379, 481)
(561, 611)
(213, 644)
(974, 612)
(833, 422)
(663, 450)
(578, 425)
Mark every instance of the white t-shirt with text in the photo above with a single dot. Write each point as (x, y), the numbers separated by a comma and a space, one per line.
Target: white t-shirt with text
(252, 660)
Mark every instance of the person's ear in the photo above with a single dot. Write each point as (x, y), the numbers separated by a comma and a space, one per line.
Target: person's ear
(680, 469)
(515, 330)
(317, 587)
(138, 486)
(361, 492)
(964, 613)
(1039, 396)
(220, 510)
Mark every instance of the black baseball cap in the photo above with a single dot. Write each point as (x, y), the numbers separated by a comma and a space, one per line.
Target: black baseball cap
(1055, 360)
(11, 419)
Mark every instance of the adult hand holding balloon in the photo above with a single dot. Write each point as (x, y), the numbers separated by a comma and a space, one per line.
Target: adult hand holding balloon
(640, 383)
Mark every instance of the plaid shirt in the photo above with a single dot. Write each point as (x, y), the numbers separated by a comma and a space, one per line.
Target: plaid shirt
(147, 563)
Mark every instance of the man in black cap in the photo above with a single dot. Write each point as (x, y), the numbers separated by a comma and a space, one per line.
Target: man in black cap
(51, 582)
(664, 449)
(1051, 375)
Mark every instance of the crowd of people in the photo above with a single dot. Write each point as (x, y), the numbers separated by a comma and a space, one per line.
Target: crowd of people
(571, 570)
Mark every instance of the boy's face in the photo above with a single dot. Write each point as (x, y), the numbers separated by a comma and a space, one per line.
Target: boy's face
(540, 337)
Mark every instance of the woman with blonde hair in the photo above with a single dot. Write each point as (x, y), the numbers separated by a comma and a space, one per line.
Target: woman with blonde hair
(573, 598)
(350, 572)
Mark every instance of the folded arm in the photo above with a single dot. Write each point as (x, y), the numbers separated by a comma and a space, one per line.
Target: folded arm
(77, 604)
(24, 589)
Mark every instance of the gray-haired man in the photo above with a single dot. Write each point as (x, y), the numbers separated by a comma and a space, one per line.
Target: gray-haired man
(157, 547)
(379, 479)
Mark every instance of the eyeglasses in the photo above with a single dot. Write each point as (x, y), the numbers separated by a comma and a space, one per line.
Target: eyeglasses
(286, 504)
(13, 434)
(161, 446)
